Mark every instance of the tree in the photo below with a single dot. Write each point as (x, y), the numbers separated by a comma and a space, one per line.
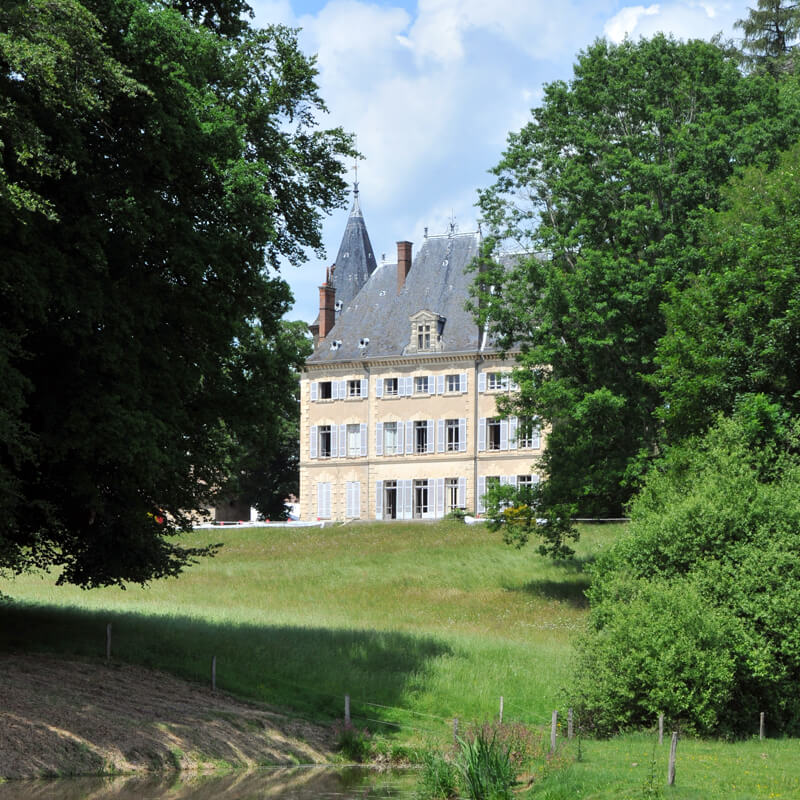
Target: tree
(153, 170)
(599, 192)
(265, 464)
(693, 610)
(733, 330)
(770, 34)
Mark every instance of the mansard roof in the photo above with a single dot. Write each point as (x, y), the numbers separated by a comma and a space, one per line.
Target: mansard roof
(438, 282)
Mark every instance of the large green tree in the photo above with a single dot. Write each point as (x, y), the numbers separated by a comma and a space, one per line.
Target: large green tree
(597, 194)
(157, 164)
(734, 329)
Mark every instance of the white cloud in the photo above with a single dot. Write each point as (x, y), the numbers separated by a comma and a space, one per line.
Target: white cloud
(624, 22)
(686, 19)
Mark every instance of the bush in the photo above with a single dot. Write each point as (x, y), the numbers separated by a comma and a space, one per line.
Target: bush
(438, 779)
(697, 604)
(352, 742)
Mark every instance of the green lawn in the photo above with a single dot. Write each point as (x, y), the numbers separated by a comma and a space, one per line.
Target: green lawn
(423, 622)
(437, 619)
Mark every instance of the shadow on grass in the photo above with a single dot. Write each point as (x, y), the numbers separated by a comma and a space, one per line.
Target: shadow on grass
(571, 592)
(307, 670)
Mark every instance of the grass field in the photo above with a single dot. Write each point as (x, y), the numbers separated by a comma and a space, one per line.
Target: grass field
(418, 623)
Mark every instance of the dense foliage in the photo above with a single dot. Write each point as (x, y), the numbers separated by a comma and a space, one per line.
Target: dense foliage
(599, 190)
(153, 165)
(734, 329)
(694, 610)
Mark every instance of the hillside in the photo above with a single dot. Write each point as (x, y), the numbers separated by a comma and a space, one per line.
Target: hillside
(68, 717)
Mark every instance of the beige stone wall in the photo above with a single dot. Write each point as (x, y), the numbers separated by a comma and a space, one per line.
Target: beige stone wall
(471, 406)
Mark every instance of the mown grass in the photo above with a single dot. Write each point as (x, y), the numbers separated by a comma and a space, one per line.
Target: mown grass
(437, 619)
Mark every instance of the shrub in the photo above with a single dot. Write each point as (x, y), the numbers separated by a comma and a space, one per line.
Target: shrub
(352, 742)
(438, 779)
(697, 603)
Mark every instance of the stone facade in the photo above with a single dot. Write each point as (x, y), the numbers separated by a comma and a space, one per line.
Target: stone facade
(398, 402)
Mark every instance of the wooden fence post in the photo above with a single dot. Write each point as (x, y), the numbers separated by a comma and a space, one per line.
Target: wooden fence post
(501, 709)
(569, 724)
(761, 725)
(553, 725)
(347, 709)
(672, 750)
(661, 729)
(108, 642)
(213, 673)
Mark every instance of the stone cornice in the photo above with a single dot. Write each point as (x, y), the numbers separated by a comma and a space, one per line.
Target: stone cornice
(417, 359)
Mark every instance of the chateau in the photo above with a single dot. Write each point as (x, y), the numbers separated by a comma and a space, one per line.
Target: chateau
(398, 401)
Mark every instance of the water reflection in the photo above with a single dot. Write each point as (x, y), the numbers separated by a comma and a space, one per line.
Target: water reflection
(299, 783)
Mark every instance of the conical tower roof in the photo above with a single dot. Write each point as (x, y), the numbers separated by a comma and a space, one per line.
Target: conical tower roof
(355, 261)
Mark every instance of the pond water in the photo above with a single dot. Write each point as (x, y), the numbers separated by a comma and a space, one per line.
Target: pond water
(297, 783)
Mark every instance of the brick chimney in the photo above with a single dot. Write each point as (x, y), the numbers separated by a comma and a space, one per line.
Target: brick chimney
(403, 263)
(327, 305)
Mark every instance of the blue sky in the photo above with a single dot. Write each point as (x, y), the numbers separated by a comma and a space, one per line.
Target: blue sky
(432, 89)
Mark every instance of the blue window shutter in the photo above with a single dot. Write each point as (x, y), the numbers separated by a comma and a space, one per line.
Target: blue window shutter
(462, 380)
(378, 387)
(440, 436)
(314, 391)
(429, 443)
(482, 433)
(378, 438)
(378, 499)
(363, 436)
(462, 435)
(314, 435)
(481, 492)
(482, 382)
(504, 434)
(409, 437)
(440, 384)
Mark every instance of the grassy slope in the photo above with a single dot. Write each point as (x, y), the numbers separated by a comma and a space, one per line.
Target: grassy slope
(440, 619)
(435, 619)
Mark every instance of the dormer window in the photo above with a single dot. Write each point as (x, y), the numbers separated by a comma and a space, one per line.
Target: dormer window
(426, 332)
(424, 336)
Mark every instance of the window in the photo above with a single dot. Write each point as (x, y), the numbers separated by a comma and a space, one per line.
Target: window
(528, 433)
(423, 336)
(390, 441)
(454, 383)
(325, 390)
(452, 433)
(354, 388)
(421, 436)
(493, 433)
(451, 495)
(353, 440)
(390, 385)
(421, 385)
(497, 380)
(324, 441)
(420, 499)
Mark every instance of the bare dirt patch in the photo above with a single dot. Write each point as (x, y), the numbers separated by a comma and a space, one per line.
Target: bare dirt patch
(60, 717)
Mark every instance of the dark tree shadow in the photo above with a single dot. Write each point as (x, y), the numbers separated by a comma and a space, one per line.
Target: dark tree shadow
(302, 672)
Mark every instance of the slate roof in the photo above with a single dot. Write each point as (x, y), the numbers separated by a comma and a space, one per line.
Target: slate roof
(438, 281)
(355, 261)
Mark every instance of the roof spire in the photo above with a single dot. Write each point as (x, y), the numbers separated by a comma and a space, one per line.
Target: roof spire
(356, 209)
